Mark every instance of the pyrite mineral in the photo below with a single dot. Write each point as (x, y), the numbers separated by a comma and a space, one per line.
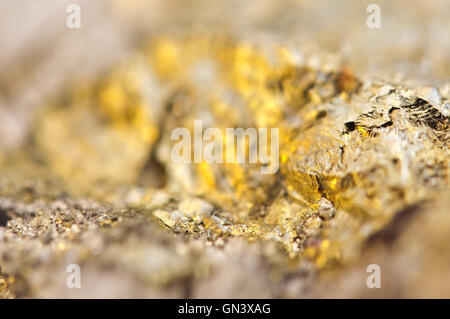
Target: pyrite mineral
(363, 179)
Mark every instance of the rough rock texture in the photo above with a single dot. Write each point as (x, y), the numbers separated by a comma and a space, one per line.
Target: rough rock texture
(363, 175)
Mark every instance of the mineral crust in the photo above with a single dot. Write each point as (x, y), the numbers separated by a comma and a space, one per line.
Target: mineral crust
(363, 179)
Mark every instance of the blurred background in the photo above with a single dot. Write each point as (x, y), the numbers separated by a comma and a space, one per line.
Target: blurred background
(39, 55)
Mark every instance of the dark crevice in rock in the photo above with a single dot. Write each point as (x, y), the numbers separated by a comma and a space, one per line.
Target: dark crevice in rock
(4, 218)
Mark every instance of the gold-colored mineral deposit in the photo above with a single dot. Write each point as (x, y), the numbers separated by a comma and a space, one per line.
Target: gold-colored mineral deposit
(87, 178)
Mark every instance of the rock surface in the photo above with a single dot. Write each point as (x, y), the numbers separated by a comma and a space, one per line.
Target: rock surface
(363, 175)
